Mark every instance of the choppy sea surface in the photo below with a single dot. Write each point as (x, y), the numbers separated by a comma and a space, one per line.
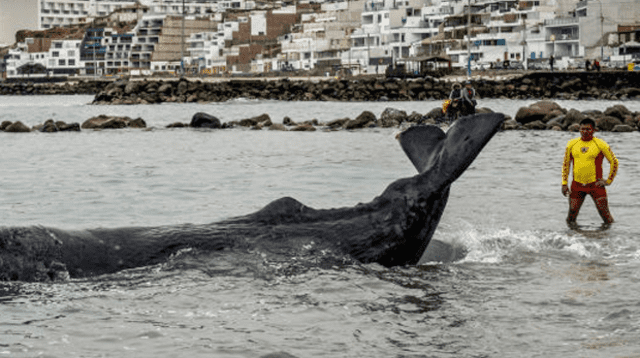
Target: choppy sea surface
(527, 287)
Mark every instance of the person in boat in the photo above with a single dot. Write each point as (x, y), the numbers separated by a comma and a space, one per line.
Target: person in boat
(455, 100)
(468, 100)
(586, 154)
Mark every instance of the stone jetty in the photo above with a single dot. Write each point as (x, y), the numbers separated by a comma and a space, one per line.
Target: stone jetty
(613, 85)
(607, 85)
(26, 88)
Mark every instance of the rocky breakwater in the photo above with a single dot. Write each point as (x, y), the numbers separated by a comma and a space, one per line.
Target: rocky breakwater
(150, 92)
(609, 85)
(613, 85)
(96, 123)
(26, 88)
(389, 118)
(542, 115)
(548, 115)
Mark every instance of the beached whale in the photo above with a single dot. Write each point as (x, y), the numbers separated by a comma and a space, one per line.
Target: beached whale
(393, 229)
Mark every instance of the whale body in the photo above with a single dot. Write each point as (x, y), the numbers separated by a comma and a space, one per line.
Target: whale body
(393, 229)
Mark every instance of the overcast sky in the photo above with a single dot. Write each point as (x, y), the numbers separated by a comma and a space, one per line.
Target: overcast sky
(17, 15)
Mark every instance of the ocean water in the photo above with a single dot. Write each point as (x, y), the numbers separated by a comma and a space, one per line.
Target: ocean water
(527, 286)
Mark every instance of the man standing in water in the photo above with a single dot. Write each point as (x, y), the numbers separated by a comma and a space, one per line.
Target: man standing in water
(586, 154)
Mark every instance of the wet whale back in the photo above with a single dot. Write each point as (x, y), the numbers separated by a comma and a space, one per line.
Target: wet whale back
(393, 229)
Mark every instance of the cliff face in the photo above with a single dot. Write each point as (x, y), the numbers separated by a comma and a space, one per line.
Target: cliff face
(57, 33)
(76, 32)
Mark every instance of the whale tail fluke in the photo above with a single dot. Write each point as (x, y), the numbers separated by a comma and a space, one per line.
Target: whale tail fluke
(449, 154)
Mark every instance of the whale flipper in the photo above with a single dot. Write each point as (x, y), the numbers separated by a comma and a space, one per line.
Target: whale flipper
(451, 153)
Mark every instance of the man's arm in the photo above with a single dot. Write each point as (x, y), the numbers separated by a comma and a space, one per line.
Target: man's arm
(613, 161)
(566, 168)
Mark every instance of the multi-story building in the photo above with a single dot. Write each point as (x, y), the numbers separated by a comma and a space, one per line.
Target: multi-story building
(56, 13)
(18, 15)
(257, 34)
(160, 41)
(598, 22)
(323, 37)
(369, 43)
(41, 57)
(205, 50)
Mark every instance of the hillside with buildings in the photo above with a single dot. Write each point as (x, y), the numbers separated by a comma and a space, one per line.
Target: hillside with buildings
(111, 37)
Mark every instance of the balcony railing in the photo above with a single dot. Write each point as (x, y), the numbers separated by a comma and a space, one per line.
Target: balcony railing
(561, 21)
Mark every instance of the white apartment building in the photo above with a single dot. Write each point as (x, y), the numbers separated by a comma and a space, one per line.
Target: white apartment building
(369, 43)
(18, 15)
(56, 13)
(205, 50)
(44, 57)
(324, 37)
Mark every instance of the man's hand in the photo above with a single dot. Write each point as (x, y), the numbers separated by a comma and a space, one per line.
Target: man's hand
(565, 190)
(601, 182)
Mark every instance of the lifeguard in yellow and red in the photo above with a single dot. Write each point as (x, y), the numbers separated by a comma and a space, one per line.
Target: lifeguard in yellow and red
(586, 154)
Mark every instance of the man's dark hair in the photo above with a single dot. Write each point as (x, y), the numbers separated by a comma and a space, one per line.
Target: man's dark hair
(588, 121)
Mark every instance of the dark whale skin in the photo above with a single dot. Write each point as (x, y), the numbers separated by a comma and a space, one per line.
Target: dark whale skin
(393, 229)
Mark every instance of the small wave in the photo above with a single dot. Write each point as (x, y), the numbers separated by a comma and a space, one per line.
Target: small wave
(495, 245)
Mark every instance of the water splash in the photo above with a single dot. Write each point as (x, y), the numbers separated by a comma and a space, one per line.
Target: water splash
(495, 245)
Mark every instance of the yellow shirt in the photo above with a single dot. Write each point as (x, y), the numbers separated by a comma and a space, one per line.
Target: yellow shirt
(587, 161)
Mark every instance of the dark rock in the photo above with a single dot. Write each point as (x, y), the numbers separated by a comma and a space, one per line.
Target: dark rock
(49, 126)
(536, 125)
(483, 110)
(4, 125)
(68, 127)
(248, 122)
(132, 87)
(536, 112)
(361, 121)
(177, 125)
(183, 87)
(619, 111)
(556, 122)
(622, 128)
(631, 92)
(414, 117)
(17, 127)
(435, 113)
(573, 117)
(336, 122)
(392, 117)
(288, 121)
(106, 122)
(575, 127)
(510, 124)
(303, 128)
(137, 123)
(632, 121)
(204, 120)
(606, 123)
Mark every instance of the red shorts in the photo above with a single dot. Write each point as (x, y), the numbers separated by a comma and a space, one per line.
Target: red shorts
(580, 190)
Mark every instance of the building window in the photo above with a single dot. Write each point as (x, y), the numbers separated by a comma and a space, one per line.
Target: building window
(62, 62)
(71, 53)
(52, 63)
(72, 62)
(55, 54)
